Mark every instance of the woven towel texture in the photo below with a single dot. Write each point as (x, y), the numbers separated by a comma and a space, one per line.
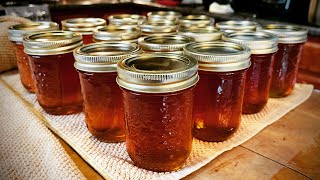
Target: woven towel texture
(28, 150)
(111, 159)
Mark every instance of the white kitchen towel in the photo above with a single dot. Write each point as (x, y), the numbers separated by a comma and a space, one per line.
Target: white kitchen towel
(111, 159)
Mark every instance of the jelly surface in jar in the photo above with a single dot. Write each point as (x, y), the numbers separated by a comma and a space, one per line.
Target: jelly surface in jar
(24, 67)
(158, 128)
(218, 104)
(285, 68)
(87, 38)
(257, 83)
(103, 106)
(57, 83)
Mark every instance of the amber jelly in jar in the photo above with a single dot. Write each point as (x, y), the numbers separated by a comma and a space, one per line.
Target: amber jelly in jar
(102, 98)
(158, 101)
(16, 34)
(286, 61)
(219, 93)
(84, 26)
(263, 46)
(51, 60)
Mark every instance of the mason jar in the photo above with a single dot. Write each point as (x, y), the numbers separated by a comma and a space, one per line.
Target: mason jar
(164, 43)
(196, 21)
(232, 26)
(201, 34)
(159, 27)
(102, 99)
(158, 100)
(263, 47)
(286, 61)
(51, 62)
(113, 33)
(219, 93)
(126, 19)
(16, 34)
(84, 26)
(164, 15)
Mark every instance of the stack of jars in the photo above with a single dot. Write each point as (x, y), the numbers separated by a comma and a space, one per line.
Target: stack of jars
(158, 81)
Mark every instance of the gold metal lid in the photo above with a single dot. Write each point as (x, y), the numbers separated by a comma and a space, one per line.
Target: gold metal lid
(113, 33)
(287, 34)
(103, 57)
(201, 34)
(151, 27)
(126, 19)
(196, 20)
(157, 73)
(82, 25)
(165, 15)
(259, 42)
(51, 43)
(164, 43)
(219, 56)
(231, 26)
(17, 32)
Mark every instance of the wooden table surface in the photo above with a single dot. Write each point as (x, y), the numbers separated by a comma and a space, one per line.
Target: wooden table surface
(287, 149)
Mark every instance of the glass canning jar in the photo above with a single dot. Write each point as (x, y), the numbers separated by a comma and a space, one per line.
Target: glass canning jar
(201, 34)
(159, 27)
(232, 26)
(102, 98)
(196, 21)
(114, 33)
(51, 62)
(126, 19)
(158, 100)
(219, 93)
(286, 61)
(164, 43)
(164, 15)
(84, 26)
(16, 34)
(263, 46)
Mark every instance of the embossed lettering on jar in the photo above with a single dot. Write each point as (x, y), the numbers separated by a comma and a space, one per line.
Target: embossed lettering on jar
(16, 34)
(263, 46)
(51, 60)
(84, 26)
(103, 106)
(286, 62)
(158, 100)
(219, 93)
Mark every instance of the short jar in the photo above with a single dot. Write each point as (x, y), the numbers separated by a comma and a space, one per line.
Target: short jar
(219, 93)
(102, 98)
(84, 26)
(16, 34)
(51, 61)
(232, 26)
(164, 43)
(158, 100)
(126, 19)
(286, 61)
(159, 27)
(201, 34)
(114, 33)
(164, 15)
(196, 21)
(263, 47)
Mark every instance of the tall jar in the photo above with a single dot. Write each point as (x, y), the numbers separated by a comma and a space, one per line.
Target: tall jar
(219, 93)
(113, 33)
(158, 100)
(263, 46)
(164, 43)
(201, 34)
(159, 27)
(16, 34)
(126, 19)
(286, 62)
(51, 61)
(196, 21)
(84, 26)
(232, 26)
(102, 99)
